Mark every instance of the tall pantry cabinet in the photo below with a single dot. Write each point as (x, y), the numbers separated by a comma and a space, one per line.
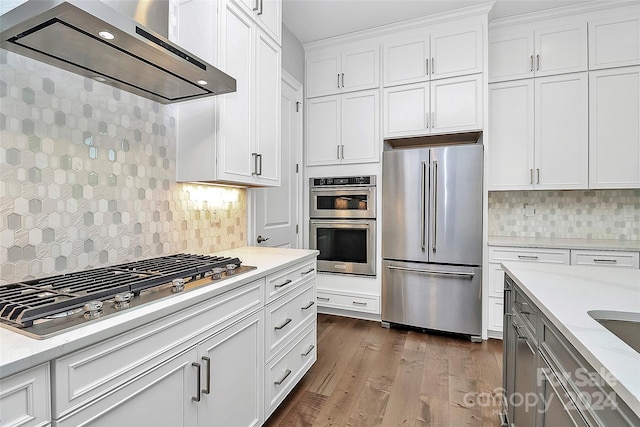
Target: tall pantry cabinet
(233, 138)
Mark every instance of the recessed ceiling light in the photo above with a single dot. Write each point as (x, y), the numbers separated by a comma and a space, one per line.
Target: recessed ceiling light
(202, 82)
(106, 35)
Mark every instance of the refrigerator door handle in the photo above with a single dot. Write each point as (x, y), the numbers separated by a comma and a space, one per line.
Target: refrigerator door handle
(423, 208)
(434, 272)
(434, 206)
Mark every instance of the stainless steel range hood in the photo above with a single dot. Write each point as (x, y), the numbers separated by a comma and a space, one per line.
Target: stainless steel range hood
(94, 40)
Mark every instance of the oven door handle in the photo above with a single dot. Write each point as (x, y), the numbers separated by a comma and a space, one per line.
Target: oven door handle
(332, 190)
(434, 272)
(342, 222)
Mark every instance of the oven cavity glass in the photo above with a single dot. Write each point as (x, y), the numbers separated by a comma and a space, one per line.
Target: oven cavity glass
(333, 202)
(343, 245)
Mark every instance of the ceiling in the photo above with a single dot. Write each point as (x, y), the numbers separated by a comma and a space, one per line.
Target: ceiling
(312, 20)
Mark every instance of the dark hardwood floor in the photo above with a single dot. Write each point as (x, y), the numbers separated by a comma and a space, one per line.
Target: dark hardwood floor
(367, 375)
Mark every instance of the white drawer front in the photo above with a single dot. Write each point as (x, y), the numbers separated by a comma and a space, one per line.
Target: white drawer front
(552, 256)
(496, 312)
(346, 301)
(496, 280)
(285, 280)
(25, 398)
(606, 258)
(285, 316)
(289, 365)
(93, 371)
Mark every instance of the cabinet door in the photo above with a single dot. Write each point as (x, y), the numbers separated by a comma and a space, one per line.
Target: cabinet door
(323, 130)
(456, 52)
(268, 111)
(561, 132)
(360, 69)
(323, 75)
(236, 127)
(524, 381)
(361, 127)
(269, 17)
(510, 54)
(456, 104)
(561, 49)
(25, 398)
(406, 110)
(406, 61)
(614, 132)
(160, 397)
(232, 376)
(511, 121)
(614, 42)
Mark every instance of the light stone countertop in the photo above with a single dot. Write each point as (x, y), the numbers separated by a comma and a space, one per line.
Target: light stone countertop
(547, 242)
(565, 294)
(19, 352)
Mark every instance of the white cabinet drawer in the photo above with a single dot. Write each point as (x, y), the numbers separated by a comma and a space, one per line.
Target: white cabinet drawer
(496, 314)
(25, 398)
(285, 280)
(349, 301)
(605, 258)
(496, 280)
(88, 373)
(285, 316)
(551, 256)
(288, 366)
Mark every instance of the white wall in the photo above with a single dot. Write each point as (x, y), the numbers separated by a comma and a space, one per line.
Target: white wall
(292, 55)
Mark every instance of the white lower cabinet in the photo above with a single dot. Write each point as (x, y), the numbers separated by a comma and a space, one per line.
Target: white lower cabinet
(349, 301)
(25, 398)
(605, 258)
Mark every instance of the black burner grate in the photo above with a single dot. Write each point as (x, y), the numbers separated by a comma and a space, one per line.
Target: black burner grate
(23, 302)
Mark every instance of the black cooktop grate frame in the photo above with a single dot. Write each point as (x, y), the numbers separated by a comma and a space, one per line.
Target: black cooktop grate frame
(23, 302)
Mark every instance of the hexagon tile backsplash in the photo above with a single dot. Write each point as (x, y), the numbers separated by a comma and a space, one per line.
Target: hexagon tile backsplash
(87, 178)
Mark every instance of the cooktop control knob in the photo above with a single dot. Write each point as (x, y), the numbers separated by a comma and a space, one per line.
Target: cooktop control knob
(92, 309)
(178, 285)
(122, 300)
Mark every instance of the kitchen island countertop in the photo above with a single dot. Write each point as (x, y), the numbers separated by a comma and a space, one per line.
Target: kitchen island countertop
(565, 294)
(19, 352)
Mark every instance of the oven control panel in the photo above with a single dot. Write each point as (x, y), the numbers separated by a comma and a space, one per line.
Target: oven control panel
(349, 180)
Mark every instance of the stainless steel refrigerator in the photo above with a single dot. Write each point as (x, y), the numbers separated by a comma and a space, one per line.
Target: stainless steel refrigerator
(432, 238)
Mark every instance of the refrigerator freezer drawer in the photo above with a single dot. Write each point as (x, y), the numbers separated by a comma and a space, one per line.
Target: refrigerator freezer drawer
(433, 296)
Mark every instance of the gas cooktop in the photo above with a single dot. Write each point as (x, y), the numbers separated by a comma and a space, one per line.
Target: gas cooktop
(43, 307)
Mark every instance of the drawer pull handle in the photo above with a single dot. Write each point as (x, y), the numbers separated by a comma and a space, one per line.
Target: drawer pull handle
(359, 303)
(322, 298)
(530, 257)
(286, 374)
(605, 261)
(306, 353)
(524, 308)
(208, 360)
(285, 283)
(306, 307)
(196, 398)
(308, 271)
(285, 323)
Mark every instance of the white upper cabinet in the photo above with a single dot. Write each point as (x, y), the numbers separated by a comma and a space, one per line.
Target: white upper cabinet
(539, 134)
(434, 53)
(614, 131)
(440, 106)
(614, 42)
(344, 128)
(267, 13)
(232, 138)
(343, 70)
(516, 52)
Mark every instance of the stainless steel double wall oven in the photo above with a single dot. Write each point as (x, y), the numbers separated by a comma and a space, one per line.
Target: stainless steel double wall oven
(343, 224)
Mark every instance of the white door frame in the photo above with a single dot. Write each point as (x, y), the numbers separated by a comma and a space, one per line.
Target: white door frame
(251, 196)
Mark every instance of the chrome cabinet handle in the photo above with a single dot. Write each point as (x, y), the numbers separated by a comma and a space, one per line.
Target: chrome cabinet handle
(524, 308)
(306, 353)
(308, 271)
(438, 272)
(322, 298)
(434, 207)
(257, 5)
(530, 176)
(255, 163)
(433, 65)
(208, 360)
(433, 119)
(196, 398)
(342, 151)
(529, 257)
(427, 119)
(285, 283)
(538, 62)
(338, 152)
(308, 306)
(537, 175)
(531, 60)
(259, 157)
(285, 323)
(423, 207)
(286, 374)
(605, 261)
(338, 80)
(427, 66)
(363, 304)
(342, 79)
(261, 6)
